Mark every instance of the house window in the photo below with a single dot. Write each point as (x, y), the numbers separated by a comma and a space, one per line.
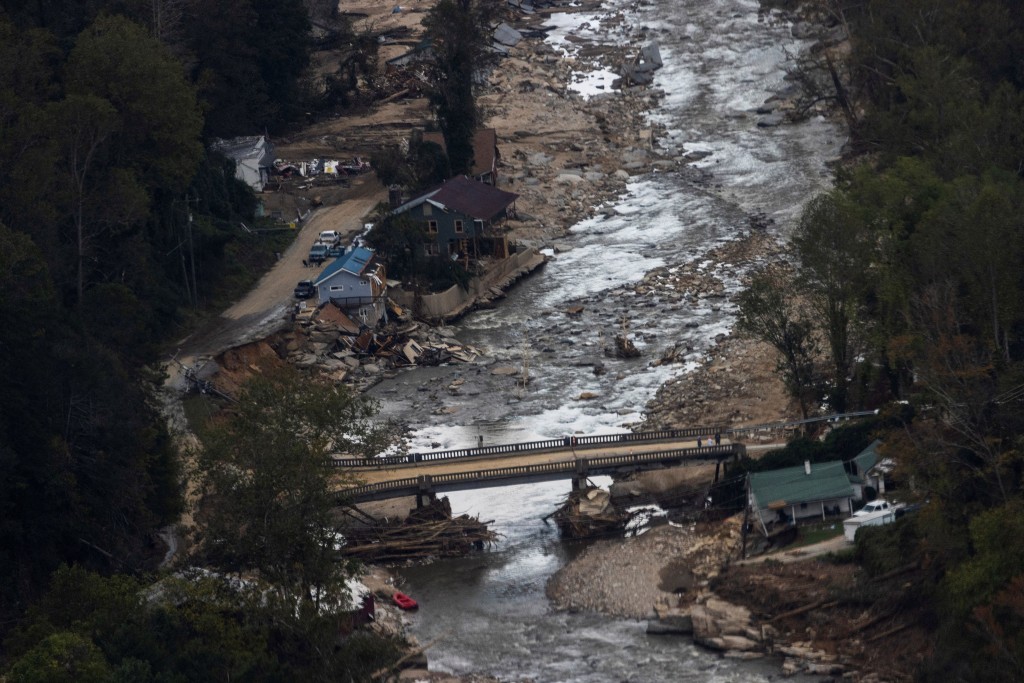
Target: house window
(431, 249)
(432, 227)
(363, 283)
(458, 227)
(337, 288)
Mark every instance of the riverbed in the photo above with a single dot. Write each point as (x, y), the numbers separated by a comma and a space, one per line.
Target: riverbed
(723, 59)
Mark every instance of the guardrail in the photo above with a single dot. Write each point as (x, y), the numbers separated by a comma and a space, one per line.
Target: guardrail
(581, 467)
(584, 442)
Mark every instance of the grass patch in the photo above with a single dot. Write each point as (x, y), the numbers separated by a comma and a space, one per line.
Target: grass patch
(844, 556)
(816, 533)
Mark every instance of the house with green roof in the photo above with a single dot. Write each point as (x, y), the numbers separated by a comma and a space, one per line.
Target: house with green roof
(868, 469)
(786, 496)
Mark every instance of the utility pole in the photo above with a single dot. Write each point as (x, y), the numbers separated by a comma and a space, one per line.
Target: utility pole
(191, 287)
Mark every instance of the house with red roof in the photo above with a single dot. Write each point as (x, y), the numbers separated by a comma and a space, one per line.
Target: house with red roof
(485, 153)
(462, 219)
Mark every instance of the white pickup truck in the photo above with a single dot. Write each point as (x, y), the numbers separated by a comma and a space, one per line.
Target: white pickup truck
(875, 513)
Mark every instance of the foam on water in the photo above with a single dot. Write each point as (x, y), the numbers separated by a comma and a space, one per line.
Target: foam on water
(722, 61)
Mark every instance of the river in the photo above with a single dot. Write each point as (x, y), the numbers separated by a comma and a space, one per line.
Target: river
(723, 59)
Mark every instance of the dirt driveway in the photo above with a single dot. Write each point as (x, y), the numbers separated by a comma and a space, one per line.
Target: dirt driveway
(807, 552)
(265, 307)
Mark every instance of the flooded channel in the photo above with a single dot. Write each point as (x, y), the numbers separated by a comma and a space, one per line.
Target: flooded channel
(488, 613)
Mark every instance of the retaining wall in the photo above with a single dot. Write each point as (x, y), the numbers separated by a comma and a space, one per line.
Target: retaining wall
(455, 301)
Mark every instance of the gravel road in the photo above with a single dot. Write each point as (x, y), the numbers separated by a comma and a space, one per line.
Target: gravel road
(265, 307)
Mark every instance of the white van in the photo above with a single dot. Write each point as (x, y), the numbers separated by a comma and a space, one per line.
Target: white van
(331, 237)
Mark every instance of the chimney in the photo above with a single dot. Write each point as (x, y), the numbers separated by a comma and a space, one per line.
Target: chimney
(807, 466)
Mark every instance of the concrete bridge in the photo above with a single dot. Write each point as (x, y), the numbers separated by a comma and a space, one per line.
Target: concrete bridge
(572, 457)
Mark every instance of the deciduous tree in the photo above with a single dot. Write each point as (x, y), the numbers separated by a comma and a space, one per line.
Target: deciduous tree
(268, 490)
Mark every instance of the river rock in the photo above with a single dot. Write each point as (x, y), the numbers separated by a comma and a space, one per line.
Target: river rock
(721, 625)
(771, 120)
(674, 625)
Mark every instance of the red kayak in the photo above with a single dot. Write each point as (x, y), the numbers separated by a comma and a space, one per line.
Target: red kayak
(404, 601)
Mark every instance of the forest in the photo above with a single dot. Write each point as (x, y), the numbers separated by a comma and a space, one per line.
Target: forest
(118, 232)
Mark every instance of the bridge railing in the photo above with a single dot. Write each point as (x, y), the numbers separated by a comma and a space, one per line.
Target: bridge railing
(581, 468)
(583, 442)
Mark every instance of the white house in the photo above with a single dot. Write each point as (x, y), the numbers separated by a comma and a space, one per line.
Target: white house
(253, 157)
(785, 496)
(867, 469)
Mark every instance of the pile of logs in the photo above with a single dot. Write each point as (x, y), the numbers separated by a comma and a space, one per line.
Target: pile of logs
(428, 532)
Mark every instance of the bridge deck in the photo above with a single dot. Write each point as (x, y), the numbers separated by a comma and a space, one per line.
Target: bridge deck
(473, 463)
(392, 481)
(573, 457)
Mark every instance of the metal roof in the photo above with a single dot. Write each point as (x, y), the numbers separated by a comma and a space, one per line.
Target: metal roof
(353, 262)
(468, 197)
(793, 485)
(239, 149)
(865, 460)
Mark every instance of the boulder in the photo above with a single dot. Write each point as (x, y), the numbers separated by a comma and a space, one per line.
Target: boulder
(721, 625)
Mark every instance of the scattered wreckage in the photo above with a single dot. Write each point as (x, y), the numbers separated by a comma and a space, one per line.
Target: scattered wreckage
(641, 70)
(326, 336)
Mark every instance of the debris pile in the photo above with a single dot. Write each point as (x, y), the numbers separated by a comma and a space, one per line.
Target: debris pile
(589, 512)
(428, 532)
(624, 348)
(340, 348)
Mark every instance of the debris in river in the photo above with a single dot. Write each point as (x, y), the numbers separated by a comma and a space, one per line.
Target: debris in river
(428, 532)
(589, 512)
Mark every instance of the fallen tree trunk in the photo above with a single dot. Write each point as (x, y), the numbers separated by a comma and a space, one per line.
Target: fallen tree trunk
(428, 532)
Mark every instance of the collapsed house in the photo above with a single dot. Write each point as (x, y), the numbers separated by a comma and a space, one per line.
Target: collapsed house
(641, 70)
(253, 157)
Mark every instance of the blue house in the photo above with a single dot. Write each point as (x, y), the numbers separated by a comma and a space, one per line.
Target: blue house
(461, 219)
(356, 283)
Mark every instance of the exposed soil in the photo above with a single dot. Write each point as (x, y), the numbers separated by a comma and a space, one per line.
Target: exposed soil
(858, 621)
(540, 129)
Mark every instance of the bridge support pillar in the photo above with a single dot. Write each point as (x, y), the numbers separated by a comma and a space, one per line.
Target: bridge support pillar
(579, 479)
(426, 494)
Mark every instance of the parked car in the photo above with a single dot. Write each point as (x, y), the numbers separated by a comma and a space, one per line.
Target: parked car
(329, 237)
(874, 506)
(318, 253)
(875, 513)
(305, 289)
